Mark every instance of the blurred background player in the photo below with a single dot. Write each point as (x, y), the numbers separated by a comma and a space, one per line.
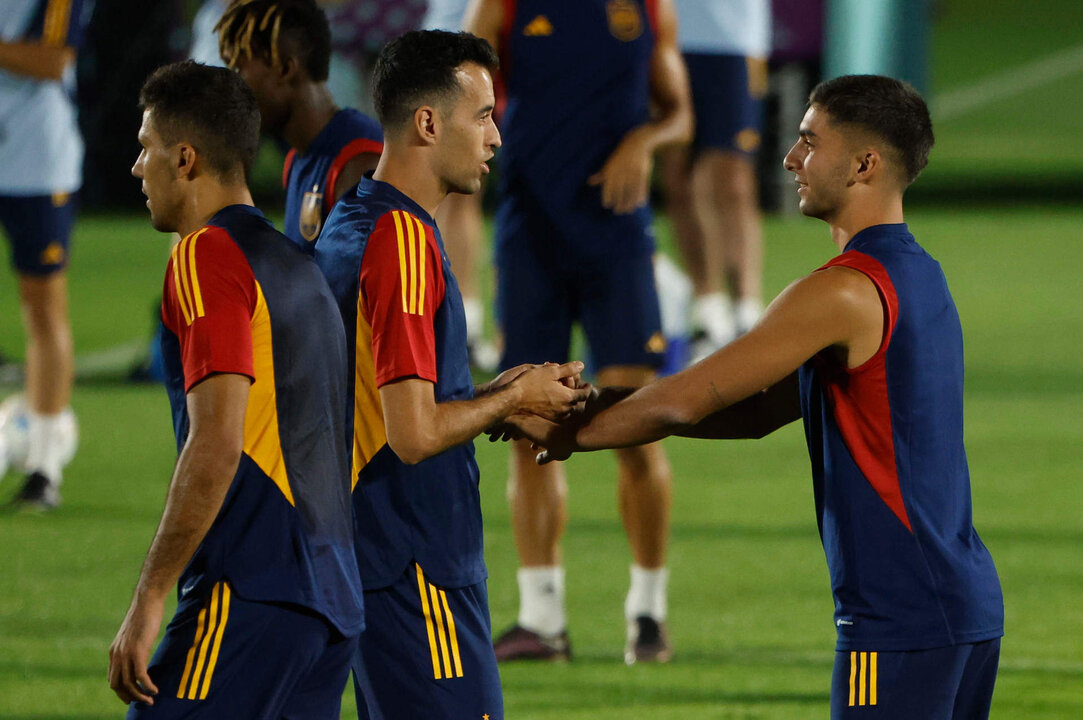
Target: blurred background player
(427, 651)
(574, 243)
(711, 187)
(461, 222)
(257, 534)
(282, 49)
(41, 158)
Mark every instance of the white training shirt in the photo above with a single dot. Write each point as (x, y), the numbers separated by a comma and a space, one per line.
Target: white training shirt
(725, 27)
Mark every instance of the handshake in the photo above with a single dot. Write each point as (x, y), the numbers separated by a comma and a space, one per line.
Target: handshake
(553, 404)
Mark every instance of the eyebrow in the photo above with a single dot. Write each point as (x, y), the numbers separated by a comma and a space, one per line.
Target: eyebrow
(805, 132)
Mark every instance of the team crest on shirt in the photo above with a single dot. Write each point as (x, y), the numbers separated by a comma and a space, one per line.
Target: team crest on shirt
(311, 219)
(625, 22)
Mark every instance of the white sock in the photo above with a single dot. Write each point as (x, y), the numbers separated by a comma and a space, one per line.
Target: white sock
(541, 599)
(748, 313)
(475, 318)
(714, 313)
(647, 593)
(45, 451)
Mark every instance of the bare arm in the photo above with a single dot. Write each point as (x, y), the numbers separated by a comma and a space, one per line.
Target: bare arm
(35, 60)
(625, 177)
(352, 172)
(418, 427)
(484, 18)
(204, 473)
(837, 310)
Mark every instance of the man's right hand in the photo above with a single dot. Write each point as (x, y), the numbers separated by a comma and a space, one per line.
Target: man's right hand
(544, 391)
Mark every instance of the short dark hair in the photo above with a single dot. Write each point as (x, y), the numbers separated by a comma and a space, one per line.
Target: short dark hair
(890, 109)
(211, 107)
(420, 66)
(270, 28)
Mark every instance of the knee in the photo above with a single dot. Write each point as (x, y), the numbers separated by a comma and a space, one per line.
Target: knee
(645, 465)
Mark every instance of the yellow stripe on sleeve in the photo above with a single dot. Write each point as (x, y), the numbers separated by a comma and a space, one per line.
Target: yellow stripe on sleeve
(55, 27)
(192, 652)
(197, 296)
(862, 678)
(423, 250)
(217, 643)
(428, 622)
(453, 637)
(205, 645)
(186, 287)
(402, 256)
(179, 287)
(440, 630)
(410, 234)
(872, 678)
(853, 676)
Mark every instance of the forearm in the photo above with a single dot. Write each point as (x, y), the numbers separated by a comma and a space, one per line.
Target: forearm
(451, 423)
(34, 60)
(754, 417)
(200, 482)
(635, 418)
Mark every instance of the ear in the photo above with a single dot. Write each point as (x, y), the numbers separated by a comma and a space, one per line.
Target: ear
(185, 160)
(289, 69)
(425, 124)
(869, 163)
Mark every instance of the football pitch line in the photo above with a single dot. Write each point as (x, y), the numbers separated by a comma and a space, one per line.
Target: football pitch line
(1002, 86)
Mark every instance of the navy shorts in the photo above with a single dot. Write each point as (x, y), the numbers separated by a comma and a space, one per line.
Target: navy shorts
(727, 98)
(39, 229)
(427, 652)
(225, 657)
(948, 683)
(542, 291)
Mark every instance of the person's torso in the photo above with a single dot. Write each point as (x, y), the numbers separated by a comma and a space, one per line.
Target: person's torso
(908, 570)
(429, 512)
(41, 150)
(724, 27)
(284, 532)
(310, 179)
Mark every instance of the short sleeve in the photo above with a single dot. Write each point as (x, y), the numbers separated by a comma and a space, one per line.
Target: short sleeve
(401, 286)
(208, 301)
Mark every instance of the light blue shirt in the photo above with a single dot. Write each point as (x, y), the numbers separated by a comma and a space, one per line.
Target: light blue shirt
(41, 150)
(725, 27)
(445, 15)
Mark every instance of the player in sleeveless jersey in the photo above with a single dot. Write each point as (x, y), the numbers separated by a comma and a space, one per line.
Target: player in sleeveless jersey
(282, 49)
(427, 652)
(868, 350)
(41, 159)
(574, 243)
(257, 531)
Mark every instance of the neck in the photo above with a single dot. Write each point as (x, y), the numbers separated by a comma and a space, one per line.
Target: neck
(206, 198)
(863, 213)
(407, 169)
(311, 110)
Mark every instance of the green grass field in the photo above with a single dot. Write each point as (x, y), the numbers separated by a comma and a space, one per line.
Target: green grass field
(750, 605)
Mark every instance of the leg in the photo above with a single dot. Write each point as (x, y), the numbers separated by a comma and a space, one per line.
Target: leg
(462, 228)
(703, 264)
(50, 364)
(727, 202)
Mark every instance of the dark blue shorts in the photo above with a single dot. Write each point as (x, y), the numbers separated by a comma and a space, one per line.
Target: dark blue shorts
(727, 97)
(225, 657)
(39, 229)
(541, 292)
(949, 683)
(427, 652)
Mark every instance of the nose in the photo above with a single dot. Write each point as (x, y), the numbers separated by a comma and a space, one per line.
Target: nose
(792, 161)
(137, 168)
(494, 137)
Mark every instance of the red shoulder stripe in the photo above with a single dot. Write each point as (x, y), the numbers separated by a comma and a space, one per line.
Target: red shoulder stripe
(286, 168)
(652, 16)
(349, 152)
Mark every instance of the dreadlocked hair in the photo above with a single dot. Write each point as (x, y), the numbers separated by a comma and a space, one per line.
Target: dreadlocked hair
(272, 29)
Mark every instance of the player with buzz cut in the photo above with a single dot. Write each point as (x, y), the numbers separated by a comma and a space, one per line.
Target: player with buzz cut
(41, 159)
(282, 49)
(594, 88)
(427, 652)
(257, 531)
(868, 350)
